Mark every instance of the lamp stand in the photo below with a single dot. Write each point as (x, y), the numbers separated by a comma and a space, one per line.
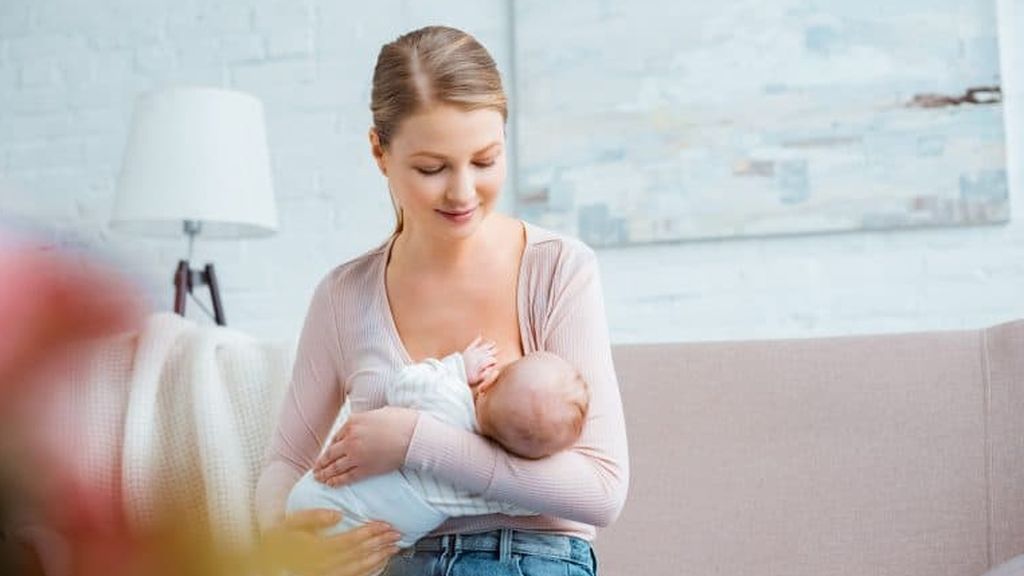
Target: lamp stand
(186, 279)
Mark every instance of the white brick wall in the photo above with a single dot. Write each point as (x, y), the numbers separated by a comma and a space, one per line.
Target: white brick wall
(69, 73)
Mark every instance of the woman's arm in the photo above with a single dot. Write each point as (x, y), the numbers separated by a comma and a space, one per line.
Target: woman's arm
(586, 483)
(307, 413)
(309, 408)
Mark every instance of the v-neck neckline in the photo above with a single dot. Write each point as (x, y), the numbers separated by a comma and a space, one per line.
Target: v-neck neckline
(392, 326)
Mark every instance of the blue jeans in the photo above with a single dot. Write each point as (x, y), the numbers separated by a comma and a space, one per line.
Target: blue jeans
(497, 553)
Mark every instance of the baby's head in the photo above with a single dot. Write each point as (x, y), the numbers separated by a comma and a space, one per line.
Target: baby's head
(535, 407)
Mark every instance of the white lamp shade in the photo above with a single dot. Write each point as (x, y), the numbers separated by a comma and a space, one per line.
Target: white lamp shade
(196, 154)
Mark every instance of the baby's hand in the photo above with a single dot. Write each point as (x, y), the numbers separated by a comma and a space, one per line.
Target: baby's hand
(479, 358)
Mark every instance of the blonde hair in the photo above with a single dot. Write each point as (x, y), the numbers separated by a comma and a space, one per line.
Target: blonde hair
(428, 66)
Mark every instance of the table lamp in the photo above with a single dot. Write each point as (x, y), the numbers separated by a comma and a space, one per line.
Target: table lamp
(196, 162)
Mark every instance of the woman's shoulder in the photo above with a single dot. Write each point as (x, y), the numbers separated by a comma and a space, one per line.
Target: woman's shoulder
(355, 277)
(548, 248)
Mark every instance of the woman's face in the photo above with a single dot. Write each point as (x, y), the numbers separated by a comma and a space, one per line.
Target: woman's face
(446, 167)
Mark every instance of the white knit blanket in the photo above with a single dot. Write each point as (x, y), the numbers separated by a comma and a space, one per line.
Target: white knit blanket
(178, 413)
(201, 407)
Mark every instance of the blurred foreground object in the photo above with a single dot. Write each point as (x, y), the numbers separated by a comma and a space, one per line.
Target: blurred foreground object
(160, 435)
(196, 163)
(130, 448)
(49, 301)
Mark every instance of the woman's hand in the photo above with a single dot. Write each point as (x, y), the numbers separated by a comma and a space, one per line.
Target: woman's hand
(369, 444)
(297, 546)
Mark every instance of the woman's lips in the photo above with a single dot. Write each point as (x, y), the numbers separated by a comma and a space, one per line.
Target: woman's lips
(457, 216)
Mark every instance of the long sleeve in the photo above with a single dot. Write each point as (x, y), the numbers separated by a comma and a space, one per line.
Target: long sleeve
(309, 408)
(588, 482)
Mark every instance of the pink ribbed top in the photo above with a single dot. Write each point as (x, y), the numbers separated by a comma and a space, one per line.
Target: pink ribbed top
(350, 348)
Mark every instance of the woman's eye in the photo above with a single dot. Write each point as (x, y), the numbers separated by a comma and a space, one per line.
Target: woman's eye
(429, 171)
(484, 163)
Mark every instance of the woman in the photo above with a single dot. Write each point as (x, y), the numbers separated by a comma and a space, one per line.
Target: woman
(454, 269)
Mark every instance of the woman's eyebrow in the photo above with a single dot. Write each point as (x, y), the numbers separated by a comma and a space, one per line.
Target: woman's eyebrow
(489, 147)
(443, 157)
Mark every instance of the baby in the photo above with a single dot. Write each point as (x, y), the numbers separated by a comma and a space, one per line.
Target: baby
(534, 407)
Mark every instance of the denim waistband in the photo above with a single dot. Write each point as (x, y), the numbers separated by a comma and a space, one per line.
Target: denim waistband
(506, 542)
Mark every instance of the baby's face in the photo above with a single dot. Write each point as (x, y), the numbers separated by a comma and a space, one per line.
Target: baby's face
(534, 407)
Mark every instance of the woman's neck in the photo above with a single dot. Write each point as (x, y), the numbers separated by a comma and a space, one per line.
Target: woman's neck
(415, 250)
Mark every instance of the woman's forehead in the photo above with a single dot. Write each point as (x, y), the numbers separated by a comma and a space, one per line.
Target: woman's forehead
(449, 131)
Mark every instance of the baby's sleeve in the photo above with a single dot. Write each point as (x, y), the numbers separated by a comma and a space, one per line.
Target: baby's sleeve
(456, 366)
(438, 388)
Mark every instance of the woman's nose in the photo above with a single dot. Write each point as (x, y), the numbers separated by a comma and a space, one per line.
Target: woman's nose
(462, 188)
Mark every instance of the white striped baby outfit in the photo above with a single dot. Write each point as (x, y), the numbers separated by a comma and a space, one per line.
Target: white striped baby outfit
(414, 503)
(439, 388)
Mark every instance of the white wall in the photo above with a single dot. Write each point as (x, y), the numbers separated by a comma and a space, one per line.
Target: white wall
(69, 73)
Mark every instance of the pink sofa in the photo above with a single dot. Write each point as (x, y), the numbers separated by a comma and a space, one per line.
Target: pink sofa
(896, 455)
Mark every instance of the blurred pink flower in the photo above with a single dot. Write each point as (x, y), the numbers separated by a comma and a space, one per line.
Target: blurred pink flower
(49, 301)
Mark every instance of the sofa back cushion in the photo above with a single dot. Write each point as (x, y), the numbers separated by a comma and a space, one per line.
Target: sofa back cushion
(843, 456)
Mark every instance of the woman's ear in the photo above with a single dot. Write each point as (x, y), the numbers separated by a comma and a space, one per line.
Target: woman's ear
(377, 149)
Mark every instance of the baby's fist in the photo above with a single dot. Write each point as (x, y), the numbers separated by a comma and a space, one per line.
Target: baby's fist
(479, 358)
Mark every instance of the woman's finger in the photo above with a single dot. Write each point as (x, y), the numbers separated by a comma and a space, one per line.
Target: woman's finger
(345, 551)
(364, 550)
(350, 476)
(330, 457)
(378, 442)
(365, 563)
(336, 468)
(312, 519)
(355, 538)
(389, 537)
(378, 560)
(342, 432)
(334, 451)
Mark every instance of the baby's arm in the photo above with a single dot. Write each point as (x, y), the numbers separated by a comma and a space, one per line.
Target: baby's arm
(479, 358)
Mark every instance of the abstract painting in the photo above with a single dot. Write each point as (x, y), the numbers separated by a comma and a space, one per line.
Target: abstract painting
(655, 120)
